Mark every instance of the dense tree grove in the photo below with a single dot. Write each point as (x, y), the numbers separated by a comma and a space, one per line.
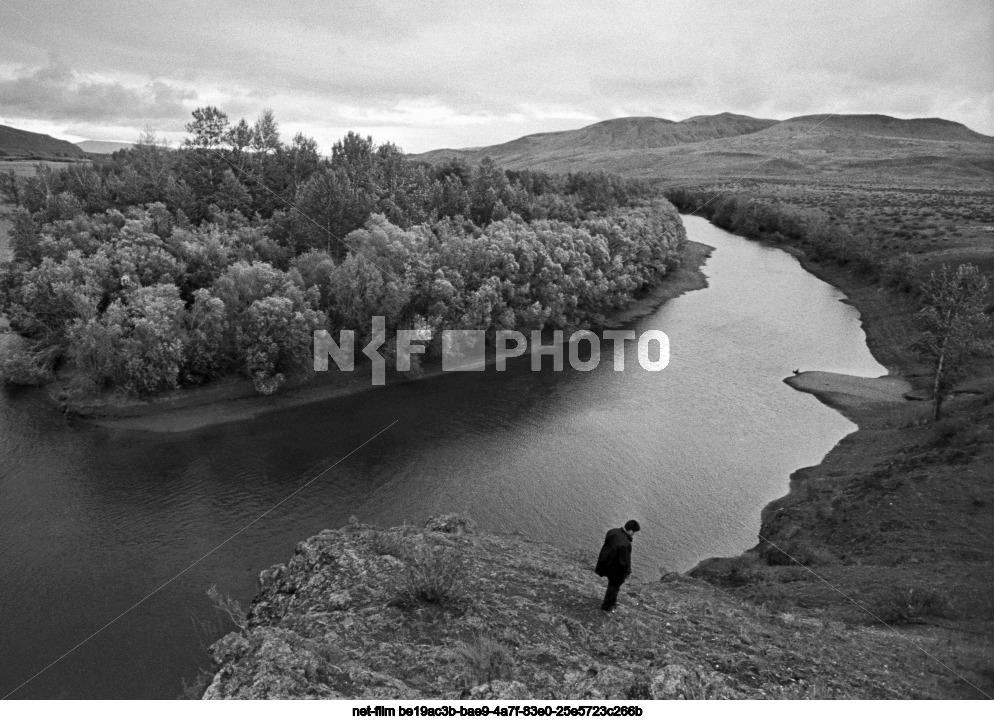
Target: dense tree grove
(160, 268)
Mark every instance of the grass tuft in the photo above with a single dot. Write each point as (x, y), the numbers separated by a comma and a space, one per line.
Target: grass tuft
(387, 543)
(432, 577)
(485, 659)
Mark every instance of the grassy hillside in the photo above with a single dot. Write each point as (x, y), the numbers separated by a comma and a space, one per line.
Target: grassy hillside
(612, 135)
(865, 147)
(16, 143)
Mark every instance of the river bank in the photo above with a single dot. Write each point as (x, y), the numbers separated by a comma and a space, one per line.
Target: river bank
(896, 518)
(235, 399)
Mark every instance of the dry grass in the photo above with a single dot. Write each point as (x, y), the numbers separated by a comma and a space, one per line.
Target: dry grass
(432, 576)
(485, 659)
(229, 606)
(388, 543)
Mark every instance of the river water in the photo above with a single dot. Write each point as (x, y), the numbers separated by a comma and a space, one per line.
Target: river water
(94, 520)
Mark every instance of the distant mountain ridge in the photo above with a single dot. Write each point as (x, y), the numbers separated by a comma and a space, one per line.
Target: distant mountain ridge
(711, 145)
(886, 126)
(626, 134)
(103, 147)
(23, 143)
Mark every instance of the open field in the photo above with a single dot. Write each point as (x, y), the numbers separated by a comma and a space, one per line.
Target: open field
(26, 166)
(941, 222)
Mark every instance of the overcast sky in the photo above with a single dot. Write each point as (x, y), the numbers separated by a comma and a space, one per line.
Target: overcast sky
(428, 74)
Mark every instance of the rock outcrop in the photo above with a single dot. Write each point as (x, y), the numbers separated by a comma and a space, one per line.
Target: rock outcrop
(447, 612)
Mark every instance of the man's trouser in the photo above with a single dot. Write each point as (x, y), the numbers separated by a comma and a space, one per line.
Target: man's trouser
(611, 597)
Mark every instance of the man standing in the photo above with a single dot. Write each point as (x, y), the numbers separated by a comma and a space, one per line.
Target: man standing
(615, 561)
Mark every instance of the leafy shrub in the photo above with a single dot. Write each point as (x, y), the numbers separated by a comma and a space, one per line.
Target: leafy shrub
(909, 605)
(20, 365)
(743, 570)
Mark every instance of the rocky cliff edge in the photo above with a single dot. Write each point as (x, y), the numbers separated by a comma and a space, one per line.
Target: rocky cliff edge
(448, 612)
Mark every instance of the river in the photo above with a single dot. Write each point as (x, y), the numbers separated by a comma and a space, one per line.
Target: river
(94, 520)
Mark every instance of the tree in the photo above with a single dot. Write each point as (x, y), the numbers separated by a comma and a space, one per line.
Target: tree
(327, 208)
(138, 342)
(10, 187)
(354, 155)
(232, 194)
(209, 128)
(151, 160)
(274, 339)
(266, 134)
(240, 137)
(206, 328)
(953, 326)
(487, 193)
(303, 161)
(24, 238)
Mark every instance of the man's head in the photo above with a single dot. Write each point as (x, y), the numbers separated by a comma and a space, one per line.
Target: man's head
(632, 527)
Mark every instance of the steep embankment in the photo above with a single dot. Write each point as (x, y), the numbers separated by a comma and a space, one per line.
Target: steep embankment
(446, 612)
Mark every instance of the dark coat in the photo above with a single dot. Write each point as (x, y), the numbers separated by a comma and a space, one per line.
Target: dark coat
(615, 559)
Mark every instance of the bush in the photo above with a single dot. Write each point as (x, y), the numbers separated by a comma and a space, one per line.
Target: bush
(945, 431)
(432, 577)
(744, 570)
(20, 365)
(909, 605)
(486, 660)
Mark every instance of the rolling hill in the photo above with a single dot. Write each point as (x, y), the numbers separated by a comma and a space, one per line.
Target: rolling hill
(617, 134)
(103, 147)
(15, 143)
(718, 145)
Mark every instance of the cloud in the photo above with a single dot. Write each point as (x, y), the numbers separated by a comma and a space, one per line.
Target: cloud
(57, 92)
(444, 72)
